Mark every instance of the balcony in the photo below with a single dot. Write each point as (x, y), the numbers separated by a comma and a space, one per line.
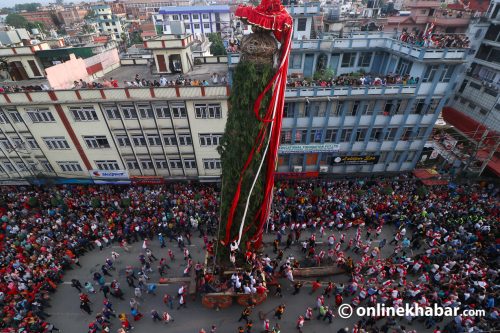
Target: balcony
(349, 91)
(383, 41)
(115, 94)
(22, 50)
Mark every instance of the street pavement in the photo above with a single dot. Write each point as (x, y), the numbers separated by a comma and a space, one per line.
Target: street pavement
(67, 316)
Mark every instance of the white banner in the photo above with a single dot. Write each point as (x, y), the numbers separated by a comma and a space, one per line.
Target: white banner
(106, 174)
(318, 148)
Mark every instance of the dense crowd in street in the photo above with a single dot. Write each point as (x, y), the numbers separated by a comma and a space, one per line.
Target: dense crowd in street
(444, 250)
(438, 41)
(350, 80)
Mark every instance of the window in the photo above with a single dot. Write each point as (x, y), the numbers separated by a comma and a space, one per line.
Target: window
(300, 136)
(132, 164)
(161, 163)
(185, 139)
(6, 144)
(145, 111)
(361, 134)
(175, 17)
(391, 134)
(197, 26)
(206, 25)
(56, 142)
(97, 142)
(376, 134)
(21, 166)
(170, 140)
(189, 163)
(185, 17)
(447, 73)
(138, 140)
(175, 164)
(368, 108)
(301, 24)
(410, 156)
(69, 166)
(397, 156)
(107, 165)
(331, 135)
(15, 116)
(421, 133)
(354, 109)
(205, 111)
(406, 134)
(205, 16)
(147, 164)
(365, 58)
(419, 107)
(9, 167)
(348, 59)
(288, 110)
(187, 26)
(404, 67)
(346, 135)
(129, 112)
(83, 113)
(337, 110)
(316, 135)
(162, 111)
(123, 140)
(18, 143)
(210, 139)
(430, 73)
(3, 117)
(211, 164)
(178, 110)
(32, 143)
(40, 115)
(286, 137)
(47, 166)
(111, 112)
(296, 61)
(154, 140)
(195, 16)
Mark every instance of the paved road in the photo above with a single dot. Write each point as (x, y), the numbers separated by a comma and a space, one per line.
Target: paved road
(67, 316)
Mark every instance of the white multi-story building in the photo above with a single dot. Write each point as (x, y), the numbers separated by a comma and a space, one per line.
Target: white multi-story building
(108, 22)
(194, 19)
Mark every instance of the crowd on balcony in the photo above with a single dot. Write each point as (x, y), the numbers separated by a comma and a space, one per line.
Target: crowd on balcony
(17, 88)
(455, 41)
(354, 80)
(397, 242)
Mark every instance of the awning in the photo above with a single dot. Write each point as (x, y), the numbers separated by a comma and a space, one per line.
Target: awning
(493, 164)
(468, 126)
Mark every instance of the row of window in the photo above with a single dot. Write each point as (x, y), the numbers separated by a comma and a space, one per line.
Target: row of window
(346, 135)
(176, 17)
(208, 164)
(176, 110)
(354, 108)
(27, 166)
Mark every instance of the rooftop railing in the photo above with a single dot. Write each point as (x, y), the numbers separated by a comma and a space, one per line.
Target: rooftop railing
(114, 94)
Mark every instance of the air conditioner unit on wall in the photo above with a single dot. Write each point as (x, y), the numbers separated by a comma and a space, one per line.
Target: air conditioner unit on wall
(323, 168)
(297, 168)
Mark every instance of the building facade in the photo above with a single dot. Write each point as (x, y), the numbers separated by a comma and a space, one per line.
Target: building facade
(474, 110)
(193, 19)
(170, 132)
(108, 22)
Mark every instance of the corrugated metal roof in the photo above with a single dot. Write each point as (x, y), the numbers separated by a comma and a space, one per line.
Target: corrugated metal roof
(194, 9)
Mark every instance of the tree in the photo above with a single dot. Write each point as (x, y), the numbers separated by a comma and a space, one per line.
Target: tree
(90, 15)
(16, 20)
(29, 7)
(59, 2)
(217, 47)
(135, 38)
(36, 25)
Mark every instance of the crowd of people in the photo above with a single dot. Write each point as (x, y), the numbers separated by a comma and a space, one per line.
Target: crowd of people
(440, 41)
(442, 250)
(351, 80)
(45, 230)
